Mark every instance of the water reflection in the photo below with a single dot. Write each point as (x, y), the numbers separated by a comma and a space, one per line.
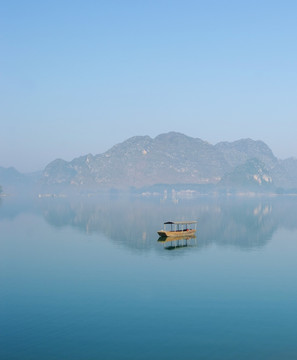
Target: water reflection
(76, 297)
(242, 222)
(173, 243)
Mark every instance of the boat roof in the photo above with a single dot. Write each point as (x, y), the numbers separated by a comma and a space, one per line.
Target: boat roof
(180, 222)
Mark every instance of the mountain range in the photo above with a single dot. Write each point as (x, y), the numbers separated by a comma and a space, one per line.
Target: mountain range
(12, 180)
(172, 158)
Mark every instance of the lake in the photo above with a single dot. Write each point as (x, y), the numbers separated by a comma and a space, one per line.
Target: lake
(87, 278)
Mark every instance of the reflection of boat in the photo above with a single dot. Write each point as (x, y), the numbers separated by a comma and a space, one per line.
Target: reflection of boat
(164, 239)
(176, 242)
(178, 229)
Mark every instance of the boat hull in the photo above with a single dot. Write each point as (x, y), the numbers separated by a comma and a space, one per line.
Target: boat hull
(181, 233)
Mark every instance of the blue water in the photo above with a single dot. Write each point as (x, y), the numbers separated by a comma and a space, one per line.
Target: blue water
(85, 279)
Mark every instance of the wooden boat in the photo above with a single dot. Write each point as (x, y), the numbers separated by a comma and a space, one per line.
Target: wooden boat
(169, 239)
(178, 228)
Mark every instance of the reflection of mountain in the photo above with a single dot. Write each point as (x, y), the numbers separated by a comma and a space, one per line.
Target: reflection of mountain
(241, 222)
(13, 206)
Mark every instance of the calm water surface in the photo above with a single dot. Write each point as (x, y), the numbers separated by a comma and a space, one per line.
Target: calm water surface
(87, 279)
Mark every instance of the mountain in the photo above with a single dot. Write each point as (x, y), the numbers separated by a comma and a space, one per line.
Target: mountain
(238, 152)
(142, 161)
(252, 175)
(174, 158)
(10, 176)
(12, 180)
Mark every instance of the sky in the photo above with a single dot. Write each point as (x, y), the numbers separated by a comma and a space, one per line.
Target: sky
(78, 77)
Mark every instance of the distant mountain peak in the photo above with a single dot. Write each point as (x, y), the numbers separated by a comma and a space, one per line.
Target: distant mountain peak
(172, 135)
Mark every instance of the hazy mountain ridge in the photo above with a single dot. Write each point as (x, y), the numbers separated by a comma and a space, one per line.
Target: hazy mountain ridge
(10, 175)
(142, 161)
(238, 152)
(286, 172)
(11, 179)
(174, 158)
(169, 159)
(252, 175)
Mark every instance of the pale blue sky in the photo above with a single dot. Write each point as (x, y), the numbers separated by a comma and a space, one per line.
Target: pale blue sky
(77, 77)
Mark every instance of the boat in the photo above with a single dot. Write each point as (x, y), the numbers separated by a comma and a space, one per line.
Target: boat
(178, 228)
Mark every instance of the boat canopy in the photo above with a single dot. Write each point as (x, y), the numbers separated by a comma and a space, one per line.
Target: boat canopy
(179, 222)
